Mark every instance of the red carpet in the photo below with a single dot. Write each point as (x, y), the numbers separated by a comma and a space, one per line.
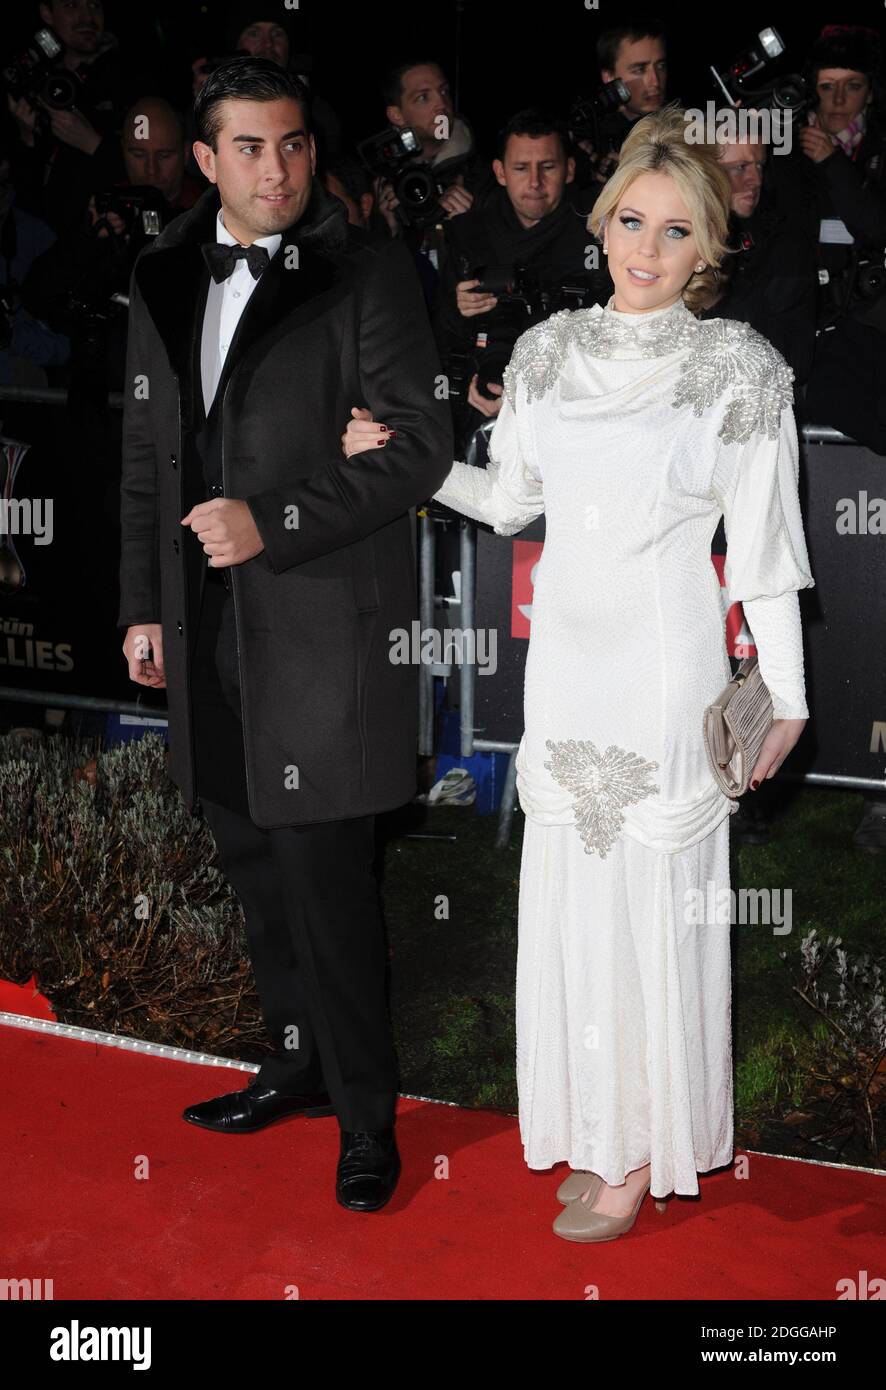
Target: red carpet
(244, 1217)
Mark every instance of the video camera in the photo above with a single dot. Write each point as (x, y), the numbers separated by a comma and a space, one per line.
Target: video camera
(397, 155)
(140, 207)
(787, 92)
(586, 113)
(34, 75)
(521, 302)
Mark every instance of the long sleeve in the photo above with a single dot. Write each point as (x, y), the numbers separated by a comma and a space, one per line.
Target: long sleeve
(346, 500)
(507, 494)
(766, 563)
(778, 637)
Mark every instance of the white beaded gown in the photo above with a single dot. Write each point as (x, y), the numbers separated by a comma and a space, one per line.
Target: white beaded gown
(634, 433)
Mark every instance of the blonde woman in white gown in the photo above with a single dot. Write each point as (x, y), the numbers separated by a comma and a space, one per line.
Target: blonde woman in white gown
(634, 428)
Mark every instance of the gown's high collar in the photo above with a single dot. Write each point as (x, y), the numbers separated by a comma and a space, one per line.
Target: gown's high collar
(676, 311)
(609, 332)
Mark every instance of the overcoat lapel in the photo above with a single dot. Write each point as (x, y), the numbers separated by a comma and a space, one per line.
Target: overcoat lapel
(173, 280)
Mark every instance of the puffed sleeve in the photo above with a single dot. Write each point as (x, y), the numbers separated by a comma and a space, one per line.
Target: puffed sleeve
(755, 482)
(507, 494)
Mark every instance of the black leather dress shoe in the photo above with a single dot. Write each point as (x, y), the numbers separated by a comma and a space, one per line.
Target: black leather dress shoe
(368, 1169)
(243, 1112)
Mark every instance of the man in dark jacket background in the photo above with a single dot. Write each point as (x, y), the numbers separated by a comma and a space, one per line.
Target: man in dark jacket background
(288, 719)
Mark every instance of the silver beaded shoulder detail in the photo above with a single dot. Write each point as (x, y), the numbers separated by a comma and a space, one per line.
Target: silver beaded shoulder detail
(725, 357)
(538, 355)
(731, 357)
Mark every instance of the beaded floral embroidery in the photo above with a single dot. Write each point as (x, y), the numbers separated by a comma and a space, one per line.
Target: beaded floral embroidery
(724, 356)
(602, 784)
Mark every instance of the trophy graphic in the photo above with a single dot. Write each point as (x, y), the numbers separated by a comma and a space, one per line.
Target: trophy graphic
(12, 571)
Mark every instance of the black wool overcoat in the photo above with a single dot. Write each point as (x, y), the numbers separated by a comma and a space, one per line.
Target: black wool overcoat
(330, 721)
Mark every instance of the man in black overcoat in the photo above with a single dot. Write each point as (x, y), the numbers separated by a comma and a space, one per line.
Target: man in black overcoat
(263, 576)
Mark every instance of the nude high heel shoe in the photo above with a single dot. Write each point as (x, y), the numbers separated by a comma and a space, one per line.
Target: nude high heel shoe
(576, 1184)
(576, 1222)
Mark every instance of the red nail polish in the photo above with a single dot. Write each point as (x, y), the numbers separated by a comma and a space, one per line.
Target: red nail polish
(392, 434)
(754, 786)
(381, 441)
(383, 428)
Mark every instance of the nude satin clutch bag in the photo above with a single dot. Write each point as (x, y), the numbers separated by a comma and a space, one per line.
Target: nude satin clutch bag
(734, 728)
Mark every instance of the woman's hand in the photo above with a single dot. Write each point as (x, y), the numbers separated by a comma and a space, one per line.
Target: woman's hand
(362, 433)
(817, 144)
(776, 746)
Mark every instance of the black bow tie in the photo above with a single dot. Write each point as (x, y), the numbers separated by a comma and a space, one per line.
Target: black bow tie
(221, 259)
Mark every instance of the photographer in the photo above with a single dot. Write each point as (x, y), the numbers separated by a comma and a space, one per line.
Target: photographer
(266, 30)
(531, 234)
(27, 346)
(154, 153)
(67, 144)
(72, 286)
(635, 52)
(417, 96)
(846, 151)
(770, 280)
(844, 155)
(418, 100)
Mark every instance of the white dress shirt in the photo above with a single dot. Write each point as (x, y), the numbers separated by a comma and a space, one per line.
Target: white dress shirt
(225, 303)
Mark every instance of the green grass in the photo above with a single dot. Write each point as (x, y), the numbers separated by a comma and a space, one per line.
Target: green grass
(453, 980)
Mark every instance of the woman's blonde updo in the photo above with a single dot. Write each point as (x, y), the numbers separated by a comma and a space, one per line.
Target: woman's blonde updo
(658, 143)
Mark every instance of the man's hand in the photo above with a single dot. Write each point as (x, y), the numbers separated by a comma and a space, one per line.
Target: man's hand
(816, 143)
(387, 201)
(25, 118)
(226, 529)
(113, 219)
(776, 746)
(456, 200)
(481, 402)
(72, 128)
(469, 304)
(143, 649)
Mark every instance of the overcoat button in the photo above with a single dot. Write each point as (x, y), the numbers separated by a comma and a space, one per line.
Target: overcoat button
(180, 628)
(174, 460)
(175, 546)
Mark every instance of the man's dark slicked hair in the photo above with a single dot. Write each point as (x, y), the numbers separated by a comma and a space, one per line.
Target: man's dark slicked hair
(611, 40)
(246, 79)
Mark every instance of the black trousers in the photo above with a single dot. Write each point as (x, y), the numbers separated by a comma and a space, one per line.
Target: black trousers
(310, 899)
